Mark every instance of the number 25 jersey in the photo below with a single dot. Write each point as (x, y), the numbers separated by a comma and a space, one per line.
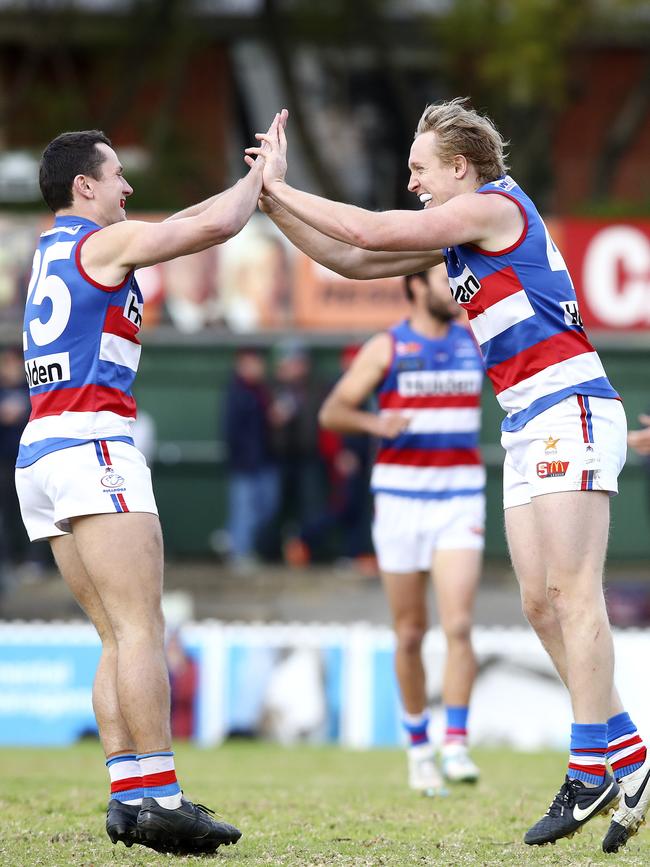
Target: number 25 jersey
(81, 348)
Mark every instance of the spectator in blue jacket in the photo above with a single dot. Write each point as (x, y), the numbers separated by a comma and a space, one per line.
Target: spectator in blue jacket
(253, 474)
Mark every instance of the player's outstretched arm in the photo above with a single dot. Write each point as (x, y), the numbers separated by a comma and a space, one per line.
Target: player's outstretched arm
(107, 256)
(340, 411)
(463, 219)
(343, 258)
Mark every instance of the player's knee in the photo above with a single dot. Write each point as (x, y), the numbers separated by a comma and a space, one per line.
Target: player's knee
(410, 637)
(148, 626)
(538, 612)
(458, 630)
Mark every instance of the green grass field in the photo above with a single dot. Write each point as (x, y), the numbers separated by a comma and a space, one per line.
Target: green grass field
(300, 806)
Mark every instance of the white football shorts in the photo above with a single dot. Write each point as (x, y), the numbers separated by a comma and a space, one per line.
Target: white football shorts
(406, 531)
(95, 478)
(579, 444)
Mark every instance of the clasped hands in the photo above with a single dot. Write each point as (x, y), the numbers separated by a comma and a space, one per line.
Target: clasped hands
(272, 150)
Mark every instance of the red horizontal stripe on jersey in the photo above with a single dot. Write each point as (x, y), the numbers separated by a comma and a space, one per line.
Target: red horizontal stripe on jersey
(635, 758)
(164, 778)
(559, 347)
(126, 784)
(495, 287)
(429, 457)
(117, 323)
(88, 398)
(394, 400)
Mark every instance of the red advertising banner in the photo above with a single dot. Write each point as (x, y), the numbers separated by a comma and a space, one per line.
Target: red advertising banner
(610, 266)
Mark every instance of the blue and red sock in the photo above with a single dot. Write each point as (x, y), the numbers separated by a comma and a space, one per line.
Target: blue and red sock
(126, 778)
(588, 752)
(417, 727)
(626, 751)
(159, 779)
(456, 730)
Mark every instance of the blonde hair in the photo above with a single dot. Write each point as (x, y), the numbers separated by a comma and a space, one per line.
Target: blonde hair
(461, 130)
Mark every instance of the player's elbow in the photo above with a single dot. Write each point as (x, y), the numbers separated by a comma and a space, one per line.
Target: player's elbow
(226, 228)
(327, 416)
(366, 238)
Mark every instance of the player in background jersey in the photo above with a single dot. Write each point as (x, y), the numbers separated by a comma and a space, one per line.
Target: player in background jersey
(428, 483)
(564, 431)
(81, 482)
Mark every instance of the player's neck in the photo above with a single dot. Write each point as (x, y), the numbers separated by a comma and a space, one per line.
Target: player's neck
(428, 326)
(82, 210)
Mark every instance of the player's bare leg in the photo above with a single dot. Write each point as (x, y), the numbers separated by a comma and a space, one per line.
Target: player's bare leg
(116, 739)
(456, 574)
(572, 532)
(527, 556)
(573, 528)
(530, 568)
(113, 730)
(406, 594)
(123, 556)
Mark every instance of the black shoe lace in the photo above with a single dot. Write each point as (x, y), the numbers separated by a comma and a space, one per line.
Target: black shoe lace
(565, 798)
(205, 809)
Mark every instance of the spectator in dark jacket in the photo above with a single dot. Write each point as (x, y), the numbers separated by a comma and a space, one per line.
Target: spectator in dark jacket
(253, 476)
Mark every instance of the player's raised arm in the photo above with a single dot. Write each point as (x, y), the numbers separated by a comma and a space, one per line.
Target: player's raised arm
(444, 221)
(109, 255)
(340, 411)
(345, 259)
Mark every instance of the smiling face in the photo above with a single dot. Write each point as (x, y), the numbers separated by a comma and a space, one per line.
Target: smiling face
(111, 190)
(435, 181)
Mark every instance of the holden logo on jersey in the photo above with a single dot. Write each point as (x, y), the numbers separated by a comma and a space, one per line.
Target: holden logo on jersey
(111, 479)
(47, 369)
(464, 287)
(133, 309)
(571, 313)
(552, 469)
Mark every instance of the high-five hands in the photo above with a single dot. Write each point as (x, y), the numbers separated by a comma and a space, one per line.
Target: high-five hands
(273, 150)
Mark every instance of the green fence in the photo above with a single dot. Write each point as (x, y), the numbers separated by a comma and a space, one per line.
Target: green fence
(181, 385)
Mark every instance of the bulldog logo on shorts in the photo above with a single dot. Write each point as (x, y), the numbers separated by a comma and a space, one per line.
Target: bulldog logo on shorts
(112, 480)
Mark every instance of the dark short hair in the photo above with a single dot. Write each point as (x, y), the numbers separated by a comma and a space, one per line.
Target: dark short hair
(68, 155)
(420, 275)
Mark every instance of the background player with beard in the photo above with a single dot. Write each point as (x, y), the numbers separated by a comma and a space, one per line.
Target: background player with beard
(428, 483)
(506, 271)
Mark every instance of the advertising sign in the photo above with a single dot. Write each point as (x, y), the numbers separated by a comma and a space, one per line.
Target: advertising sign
(610, 266)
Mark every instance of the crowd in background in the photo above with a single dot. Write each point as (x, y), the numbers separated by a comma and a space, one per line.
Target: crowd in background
(295, 492)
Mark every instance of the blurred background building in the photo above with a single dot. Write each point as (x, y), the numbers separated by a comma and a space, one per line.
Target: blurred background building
(181, 86)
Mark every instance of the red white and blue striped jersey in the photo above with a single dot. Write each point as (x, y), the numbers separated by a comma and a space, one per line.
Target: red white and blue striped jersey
(524, 314)
(438, 384)
(81, 348)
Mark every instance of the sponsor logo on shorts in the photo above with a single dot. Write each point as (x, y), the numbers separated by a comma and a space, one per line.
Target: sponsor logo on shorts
(550, 445)
(552, 469)
(112, 480)
(48, 368)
